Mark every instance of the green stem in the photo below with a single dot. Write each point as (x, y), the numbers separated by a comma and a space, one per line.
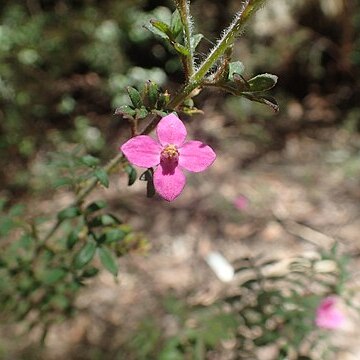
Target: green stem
(184, 10)
(224, 42)
(248, 8)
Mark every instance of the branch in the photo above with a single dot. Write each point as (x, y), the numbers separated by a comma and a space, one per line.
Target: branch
(227, 39)
(183, 7)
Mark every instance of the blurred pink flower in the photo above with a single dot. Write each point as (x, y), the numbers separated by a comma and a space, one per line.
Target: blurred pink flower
(241, 202)
(328, 316)
(171, 153)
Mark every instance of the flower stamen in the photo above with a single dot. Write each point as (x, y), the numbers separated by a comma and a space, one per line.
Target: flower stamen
(170, 152)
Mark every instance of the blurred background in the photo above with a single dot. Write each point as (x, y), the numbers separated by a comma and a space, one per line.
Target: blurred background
(64, 66)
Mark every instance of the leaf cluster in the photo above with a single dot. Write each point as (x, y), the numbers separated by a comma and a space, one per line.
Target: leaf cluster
(41, 280)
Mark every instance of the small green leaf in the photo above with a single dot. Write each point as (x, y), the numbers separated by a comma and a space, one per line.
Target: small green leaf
(176, 24)
(69, 213)
(134, 97)
(90, 272)
(148, 177)
(262, 82)
(85, 255)
(72, 239)
(102, 176)
(131, 174)
(153, 94)
(195, 40)
(114, 235)
(108, 260)
(150, 189)
(163, 100)
(236, 67)
(95, 206)
(53, 275)
(181, 49)
(104, 220)
(162, 27)
(141, 113)
(125, 111)
(156, 31)
(90, 160)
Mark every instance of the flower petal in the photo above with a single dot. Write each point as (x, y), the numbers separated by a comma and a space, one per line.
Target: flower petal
(171, 130)
(196, 156)
(169, 181)
(328, 316)
(142, 151)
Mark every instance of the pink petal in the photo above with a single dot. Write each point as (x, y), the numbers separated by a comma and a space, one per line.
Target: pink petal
(142, 151)
(328, 316)
(196, 156)
(169, 181)
(241, 202)
(171, 130)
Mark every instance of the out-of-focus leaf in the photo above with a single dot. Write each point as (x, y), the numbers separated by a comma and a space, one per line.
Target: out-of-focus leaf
(16, 210)
(114, 235)
(131, 174)
(108, 260)
(269, 337)
(69, 213)
(72, 239)
(53, 275)
(90, 160)
(102, 176)
(104, 220)
(85, 255)
(95, 206)
(90, 272)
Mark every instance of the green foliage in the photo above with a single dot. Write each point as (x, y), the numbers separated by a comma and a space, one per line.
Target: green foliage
(268, 309)
(85, 254)
(102, 176)
(47, 276)
(108, 260)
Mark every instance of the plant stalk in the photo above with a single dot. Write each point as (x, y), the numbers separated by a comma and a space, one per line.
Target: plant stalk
(184, 11)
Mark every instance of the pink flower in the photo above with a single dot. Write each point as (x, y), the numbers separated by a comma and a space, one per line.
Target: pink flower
(171, 153)
(328, 316)
(241, 202)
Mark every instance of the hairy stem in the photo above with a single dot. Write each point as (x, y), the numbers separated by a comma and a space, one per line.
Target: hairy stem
(227, 39)
(184, 10)
(224, 42)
